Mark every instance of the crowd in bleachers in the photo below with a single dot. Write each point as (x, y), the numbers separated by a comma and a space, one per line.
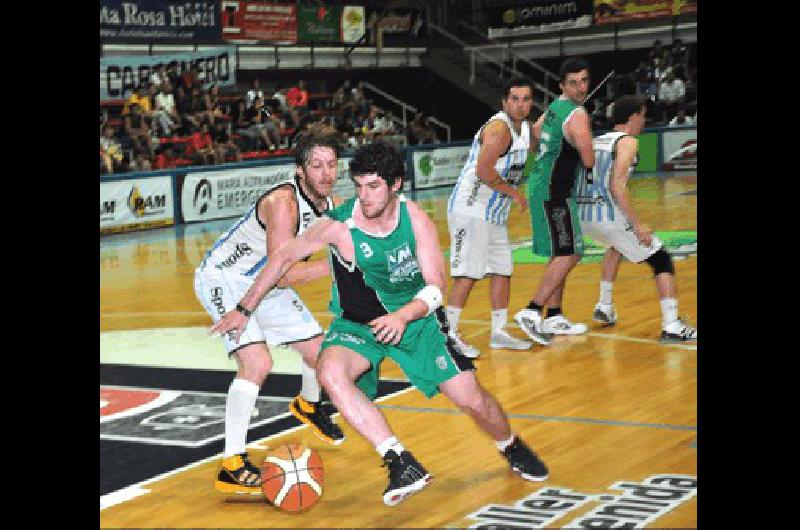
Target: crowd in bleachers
(175, 120)
(664, 75)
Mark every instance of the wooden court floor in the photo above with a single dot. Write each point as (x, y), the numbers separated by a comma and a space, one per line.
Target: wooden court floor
(605, 411)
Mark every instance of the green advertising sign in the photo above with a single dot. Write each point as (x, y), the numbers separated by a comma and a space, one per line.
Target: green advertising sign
(648, 152)
(319, 24)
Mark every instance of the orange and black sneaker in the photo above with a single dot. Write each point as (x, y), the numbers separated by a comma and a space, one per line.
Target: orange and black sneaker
(238, 475)
(312, 414)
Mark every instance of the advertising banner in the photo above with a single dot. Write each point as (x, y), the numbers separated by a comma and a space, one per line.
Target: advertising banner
(262, 21)
(137, 203)
(132, 20)
(119, 76)
(615, 11)
(679, 149)
(219, 194)
(319, 24)
(438, 167)
(353, 25)
(539, 16)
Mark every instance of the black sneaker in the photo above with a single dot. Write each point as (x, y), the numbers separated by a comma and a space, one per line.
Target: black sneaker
(406, 477)
(312, 414)
(238, 475)
(525, 462)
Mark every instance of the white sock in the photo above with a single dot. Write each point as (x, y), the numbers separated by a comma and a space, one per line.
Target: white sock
(309, 386)
(669, 311)
(453, 316)
(241, 400)
(389, 443)
(503, 444)
(499, 319)
(605, 292)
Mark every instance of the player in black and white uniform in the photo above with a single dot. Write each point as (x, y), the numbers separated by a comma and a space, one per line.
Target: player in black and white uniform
(281, 318)
(607, 216)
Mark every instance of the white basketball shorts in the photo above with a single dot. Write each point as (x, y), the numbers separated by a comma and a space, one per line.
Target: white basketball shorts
(478, 247)
(622, 238)
(280, 318)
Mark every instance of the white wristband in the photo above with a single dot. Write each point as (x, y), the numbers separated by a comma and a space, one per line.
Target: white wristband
(431, 295)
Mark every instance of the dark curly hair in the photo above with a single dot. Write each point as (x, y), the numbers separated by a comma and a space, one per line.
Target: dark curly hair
(307, 141)
(380, 158)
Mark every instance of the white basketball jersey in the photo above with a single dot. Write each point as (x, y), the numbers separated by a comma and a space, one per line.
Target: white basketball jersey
(242, 249)
(473, 198)
(595, 203)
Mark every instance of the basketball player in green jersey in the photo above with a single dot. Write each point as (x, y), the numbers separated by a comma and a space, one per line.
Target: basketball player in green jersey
(389, 272)
(564, 136)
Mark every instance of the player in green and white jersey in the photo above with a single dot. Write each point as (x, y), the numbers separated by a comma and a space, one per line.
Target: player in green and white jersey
(390, 277)
(564, 136)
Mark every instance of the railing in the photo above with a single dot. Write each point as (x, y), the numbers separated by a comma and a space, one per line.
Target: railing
(403, 106)
(548, 95)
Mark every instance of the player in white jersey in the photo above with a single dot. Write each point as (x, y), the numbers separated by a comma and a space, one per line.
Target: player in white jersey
(607, 215)
(477, 213)
(282, 318)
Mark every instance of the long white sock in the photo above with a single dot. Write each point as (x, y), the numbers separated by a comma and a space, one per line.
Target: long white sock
(605, 292)
(453, 316)
(241, 400)
(499, 319)
(389, 443)
(502, 445)
(669, 311)
(309, 388)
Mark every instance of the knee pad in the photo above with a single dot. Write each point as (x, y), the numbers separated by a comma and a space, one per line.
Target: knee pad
(661, 262)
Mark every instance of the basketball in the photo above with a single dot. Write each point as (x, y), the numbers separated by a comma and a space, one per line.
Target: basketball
(292, 477)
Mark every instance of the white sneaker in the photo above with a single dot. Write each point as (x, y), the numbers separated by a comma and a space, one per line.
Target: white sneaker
(559, 325)
(465, 349)
(678, 331)
(605, 314)
(531, 323)
(502, 340)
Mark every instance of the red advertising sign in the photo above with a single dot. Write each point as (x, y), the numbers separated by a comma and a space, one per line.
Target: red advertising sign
(263, 21)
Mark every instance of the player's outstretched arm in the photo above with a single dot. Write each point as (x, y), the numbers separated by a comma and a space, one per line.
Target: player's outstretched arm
(390, 328)
(324, 232)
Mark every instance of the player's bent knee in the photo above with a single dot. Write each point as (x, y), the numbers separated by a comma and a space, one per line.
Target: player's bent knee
(661, 262)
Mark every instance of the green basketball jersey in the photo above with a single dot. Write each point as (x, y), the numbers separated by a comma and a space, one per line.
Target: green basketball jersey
(385, 274)
(554, 171)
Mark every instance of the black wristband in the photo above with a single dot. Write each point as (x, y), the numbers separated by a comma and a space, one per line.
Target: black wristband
(242, 310)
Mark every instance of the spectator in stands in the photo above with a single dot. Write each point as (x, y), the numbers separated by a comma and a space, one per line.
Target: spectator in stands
(645, 80)
(173, 77)
(160, 117)
(189, 79)
(165, 102)
(202, 148)
(224, 147)
(254, 92)
(656, 52)
(280, 97)
(213, 104)
(111, 151)
(183, 104)
(158, 76)
(264, 124)
(671, 95)
(137, 97)
(141, 161)
(598, 115)
(200, 111)
(680, 59)
(297, 100)
(681, 119)
(165, 159)
(137, 131)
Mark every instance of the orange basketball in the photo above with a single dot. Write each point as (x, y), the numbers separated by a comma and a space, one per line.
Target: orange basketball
(292, 477)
